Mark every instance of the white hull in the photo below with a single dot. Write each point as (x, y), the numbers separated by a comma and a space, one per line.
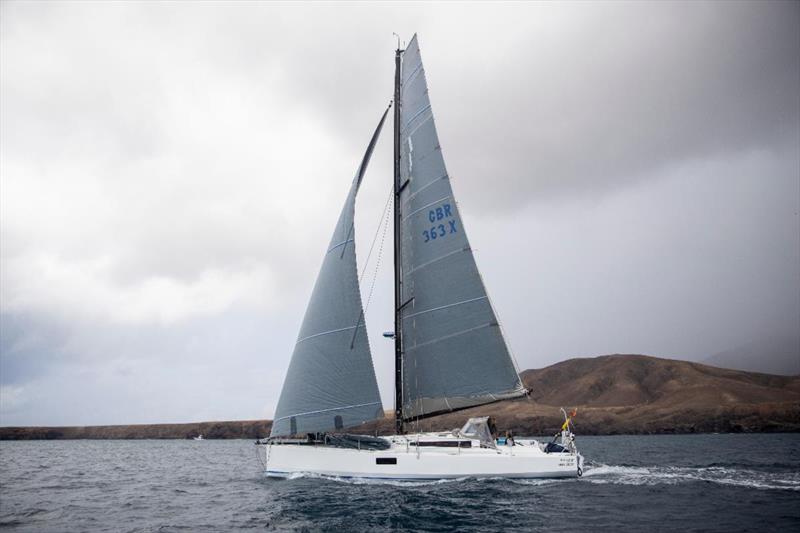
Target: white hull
(404, 460)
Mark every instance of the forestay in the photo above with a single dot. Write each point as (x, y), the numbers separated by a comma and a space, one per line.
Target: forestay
(331, 382)
(454, 354)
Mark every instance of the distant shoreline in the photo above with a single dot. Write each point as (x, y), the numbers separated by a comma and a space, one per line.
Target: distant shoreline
(255, 429)
(230, 433)
(242, 429)
(615, 395)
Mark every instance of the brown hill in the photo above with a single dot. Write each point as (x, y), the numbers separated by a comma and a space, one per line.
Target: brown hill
(641, 394)
(635, 393)
(624, 380)
(614, 394)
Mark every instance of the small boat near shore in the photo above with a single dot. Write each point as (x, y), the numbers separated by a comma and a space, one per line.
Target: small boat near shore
(450, 352)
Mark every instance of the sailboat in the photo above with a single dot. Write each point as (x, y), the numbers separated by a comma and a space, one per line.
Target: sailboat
(450, 353)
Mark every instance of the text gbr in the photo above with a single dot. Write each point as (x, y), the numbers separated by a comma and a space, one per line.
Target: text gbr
(441, 213)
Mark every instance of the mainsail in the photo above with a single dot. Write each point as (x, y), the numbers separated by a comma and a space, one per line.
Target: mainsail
(331, 381)
(453, 352)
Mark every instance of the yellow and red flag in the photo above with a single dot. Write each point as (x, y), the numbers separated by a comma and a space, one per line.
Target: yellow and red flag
(565, 426)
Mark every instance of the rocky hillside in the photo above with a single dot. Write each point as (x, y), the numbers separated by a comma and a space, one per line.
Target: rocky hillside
(614, 394)
(639, 394)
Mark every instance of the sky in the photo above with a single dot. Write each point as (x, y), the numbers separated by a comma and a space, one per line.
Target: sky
(171, 172)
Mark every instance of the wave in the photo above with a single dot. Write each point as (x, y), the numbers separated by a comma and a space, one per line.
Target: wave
(599, 473)
(671, 475)
(423, 482)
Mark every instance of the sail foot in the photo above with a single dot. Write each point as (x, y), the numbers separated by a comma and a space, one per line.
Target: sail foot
(429, 407)
(336, 418)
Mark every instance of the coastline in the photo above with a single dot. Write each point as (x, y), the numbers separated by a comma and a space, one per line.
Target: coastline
(620, 394)
(544, 420)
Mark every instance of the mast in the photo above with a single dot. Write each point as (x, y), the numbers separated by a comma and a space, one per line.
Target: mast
(398, 341)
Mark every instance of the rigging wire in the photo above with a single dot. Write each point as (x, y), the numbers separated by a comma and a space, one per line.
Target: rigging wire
(383, 224)
(387, 213)
(375, 238)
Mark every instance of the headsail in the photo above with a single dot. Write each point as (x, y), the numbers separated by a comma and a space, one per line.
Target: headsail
(454, 355)
(331, 381)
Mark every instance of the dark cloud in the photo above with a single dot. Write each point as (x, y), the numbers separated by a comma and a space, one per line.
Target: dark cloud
(620, 92)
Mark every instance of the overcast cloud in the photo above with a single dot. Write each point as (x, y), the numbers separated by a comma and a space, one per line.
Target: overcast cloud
(170, 174)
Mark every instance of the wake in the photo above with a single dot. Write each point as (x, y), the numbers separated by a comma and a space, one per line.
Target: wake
(672, 475)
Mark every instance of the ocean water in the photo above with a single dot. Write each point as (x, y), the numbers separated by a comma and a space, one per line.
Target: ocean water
(631, 483)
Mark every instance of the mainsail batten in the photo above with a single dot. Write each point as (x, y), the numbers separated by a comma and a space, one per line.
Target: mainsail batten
(454, 355)
(331, 380)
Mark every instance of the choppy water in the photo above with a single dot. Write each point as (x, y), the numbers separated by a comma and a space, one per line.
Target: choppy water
(657, 483)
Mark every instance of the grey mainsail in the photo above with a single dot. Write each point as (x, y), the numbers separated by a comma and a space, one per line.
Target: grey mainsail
(331, 382)
(453, 352)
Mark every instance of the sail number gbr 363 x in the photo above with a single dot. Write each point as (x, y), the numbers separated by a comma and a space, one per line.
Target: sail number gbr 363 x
(444, 223)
